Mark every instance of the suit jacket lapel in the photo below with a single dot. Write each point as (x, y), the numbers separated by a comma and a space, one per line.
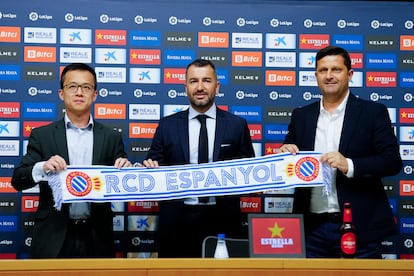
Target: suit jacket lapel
(183, 134)
(311, 124)
(351, 118)
(61, 142)
(98, 139)
(221, 124)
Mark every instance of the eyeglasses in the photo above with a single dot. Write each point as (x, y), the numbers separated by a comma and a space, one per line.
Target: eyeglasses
(86, 88)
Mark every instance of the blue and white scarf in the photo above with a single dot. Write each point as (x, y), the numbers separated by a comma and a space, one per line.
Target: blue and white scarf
(240, 176)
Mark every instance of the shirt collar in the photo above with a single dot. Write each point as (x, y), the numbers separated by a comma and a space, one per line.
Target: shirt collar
(192, 113)
(69, 124)
(340, 108)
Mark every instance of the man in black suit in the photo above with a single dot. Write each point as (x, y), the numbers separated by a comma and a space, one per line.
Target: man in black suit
(183, 224)
(79, 229)
(359, 145)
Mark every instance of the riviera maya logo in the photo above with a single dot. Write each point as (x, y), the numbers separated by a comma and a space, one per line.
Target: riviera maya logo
(306, 169)
(80, 184)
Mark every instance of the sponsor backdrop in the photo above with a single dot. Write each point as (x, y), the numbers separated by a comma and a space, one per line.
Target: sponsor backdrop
(265, 55)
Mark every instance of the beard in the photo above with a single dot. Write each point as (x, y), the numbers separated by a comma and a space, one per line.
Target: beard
(203, 104)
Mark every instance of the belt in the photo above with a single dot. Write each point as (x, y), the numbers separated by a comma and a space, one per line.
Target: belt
(200, 201)
(326, 217)
(79, 221)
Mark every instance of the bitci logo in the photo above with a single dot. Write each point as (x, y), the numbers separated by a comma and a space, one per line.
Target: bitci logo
(30, 203)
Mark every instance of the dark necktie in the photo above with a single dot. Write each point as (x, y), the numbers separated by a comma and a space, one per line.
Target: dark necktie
(203, 147)
(202, 140)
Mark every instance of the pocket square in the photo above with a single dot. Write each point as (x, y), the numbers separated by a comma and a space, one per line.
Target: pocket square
(225, 145)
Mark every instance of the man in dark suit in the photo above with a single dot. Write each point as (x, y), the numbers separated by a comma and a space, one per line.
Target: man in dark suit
(79, 229)
(359, 145)
(183, 224)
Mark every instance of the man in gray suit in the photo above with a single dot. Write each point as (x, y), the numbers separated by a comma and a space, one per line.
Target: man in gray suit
(79, 229)
(184, 223)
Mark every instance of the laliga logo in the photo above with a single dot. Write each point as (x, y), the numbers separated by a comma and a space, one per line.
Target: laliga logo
(80, 184)
(306, 169)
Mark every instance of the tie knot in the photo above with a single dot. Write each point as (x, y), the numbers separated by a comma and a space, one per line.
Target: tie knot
(202, 118)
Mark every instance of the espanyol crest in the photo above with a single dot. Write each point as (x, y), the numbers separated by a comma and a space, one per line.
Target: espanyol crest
(78, 183)
(307, 168)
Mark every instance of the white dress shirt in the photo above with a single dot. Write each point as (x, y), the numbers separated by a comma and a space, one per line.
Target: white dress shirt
(80, 147)
(194, 130)
(328, 135)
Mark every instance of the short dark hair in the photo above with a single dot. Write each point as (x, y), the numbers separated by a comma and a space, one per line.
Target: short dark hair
(80, 67)
(201, 63)
(334, 51)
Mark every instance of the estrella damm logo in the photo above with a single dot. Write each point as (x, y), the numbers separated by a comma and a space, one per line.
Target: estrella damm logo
(307, 168)
(78, 183)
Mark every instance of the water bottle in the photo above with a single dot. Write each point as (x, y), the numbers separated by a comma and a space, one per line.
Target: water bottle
(221, 251)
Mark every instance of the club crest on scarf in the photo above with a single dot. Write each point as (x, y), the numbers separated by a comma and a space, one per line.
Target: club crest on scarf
(78, 183)
(307, 168)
